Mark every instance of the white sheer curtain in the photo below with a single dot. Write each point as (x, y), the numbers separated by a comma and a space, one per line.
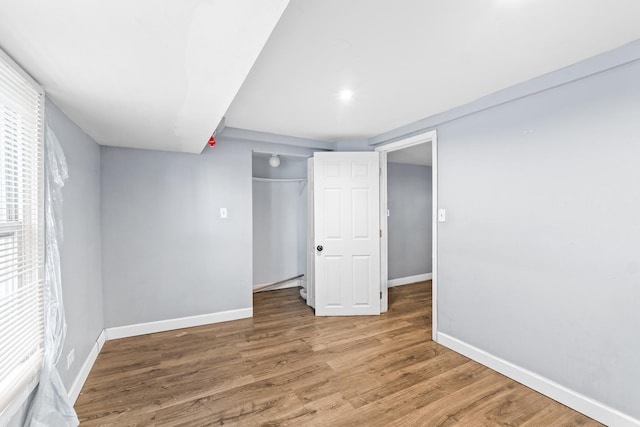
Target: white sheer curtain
(51, 406)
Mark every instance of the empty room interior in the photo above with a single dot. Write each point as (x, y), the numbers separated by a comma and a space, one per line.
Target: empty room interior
(306, 213)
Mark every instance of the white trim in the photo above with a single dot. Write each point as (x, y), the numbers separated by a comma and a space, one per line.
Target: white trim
(384, 242)
(418, 139)
(179, 323)
(82, 376)
(255, 178)
(421, 138)
(271, 153)
(310, 276)
(409, 279)
(590, 407)
(101, 339)
(290, 284)
(434, 236)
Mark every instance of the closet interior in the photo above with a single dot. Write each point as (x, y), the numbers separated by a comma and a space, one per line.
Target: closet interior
(279, 221)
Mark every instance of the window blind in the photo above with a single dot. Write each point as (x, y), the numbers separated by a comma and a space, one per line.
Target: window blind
(21, 232)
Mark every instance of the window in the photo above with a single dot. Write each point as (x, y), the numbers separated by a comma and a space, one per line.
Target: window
(21, 232)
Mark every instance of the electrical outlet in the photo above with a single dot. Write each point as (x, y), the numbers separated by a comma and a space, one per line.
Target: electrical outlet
(71, 357)
(442, 215)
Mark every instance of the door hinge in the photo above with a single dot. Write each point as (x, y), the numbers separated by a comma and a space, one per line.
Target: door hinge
(380, 294)
(380, 233)
(380, 171)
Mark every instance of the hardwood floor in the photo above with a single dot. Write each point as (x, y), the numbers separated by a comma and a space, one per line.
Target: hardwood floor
(286, 367)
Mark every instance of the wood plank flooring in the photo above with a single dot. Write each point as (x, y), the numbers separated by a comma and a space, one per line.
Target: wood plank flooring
(286, 367)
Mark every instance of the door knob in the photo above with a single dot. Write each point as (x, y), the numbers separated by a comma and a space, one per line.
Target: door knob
(319, 248)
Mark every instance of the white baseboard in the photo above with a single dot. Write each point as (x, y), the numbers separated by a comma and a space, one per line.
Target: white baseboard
(290, 284)
(76, 387)
(409, 279)
(590, 407)
(171, 324)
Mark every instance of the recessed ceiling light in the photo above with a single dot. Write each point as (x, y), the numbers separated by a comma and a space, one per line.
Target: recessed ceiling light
(346, 95)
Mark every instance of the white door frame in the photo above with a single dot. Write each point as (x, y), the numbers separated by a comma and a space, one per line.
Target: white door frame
(430, 136)
(311, 250)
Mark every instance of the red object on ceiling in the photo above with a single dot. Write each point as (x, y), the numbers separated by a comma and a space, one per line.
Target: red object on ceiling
(212, 141)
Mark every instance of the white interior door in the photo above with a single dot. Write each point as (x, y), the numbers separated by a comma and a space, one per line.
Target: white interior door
(347, 233)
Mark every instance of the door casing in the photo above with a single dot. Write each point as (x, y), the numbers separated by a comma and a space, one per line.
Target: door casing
(422, 138)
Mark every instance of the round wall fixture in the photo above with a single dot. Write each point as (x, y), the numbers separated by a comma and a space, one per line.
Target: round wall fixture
(274, 161)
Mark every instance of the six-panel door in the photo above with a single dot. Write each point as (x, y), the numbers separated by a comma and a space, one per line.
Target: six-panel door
(346, 229)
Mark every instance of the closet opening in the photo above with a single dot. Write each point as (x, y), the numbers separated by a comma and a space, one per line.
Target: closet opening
(279, 222)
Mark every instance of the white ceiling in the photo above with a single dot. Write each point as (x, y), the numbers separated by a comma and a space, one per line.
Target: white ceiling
(160, 74)
(415, 155)
(155, 74)
(407, 60)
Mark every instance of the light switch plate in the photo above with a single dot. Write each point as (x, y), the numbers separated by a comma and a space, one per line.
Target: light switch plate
(223, 213)
(442, 215)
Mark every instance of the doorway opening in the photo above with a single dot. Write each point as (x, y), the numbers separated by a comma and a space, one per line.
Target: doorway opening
(421, 151)
(279, 221)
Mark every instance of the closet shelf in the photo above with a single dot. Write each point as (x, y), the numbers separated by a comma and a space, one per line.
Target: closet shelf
(279, 179)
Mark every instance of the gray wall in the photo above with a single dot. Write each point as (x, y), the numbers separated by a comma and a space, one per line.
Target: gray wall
(80, 254)
(276, 231)
(409, 225)
(279, 220)
(538, 259)
(166, 252)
